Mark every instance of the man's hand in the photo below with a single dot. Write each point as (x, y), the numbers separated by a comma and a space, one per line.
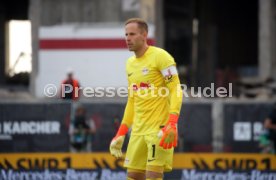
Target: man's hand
(168, 134)
(117, 142)
(116, 146)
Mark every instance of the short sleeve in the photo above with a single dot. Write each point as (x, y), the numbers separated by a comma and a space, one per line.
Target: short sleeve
(164, 60)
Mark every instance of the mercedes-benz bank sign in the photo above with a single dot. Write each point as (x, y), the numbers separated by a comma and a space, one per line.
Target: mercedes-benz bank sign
(29, 127)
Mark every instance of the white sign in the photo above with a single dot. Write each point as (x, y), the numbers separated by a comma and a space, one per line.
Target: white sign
(96, 53)
(30, 127)
(257, 130)
(242, 131)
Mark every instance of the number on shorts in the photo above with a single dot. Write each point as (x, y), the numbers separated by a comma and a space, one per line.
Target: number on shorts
(153, 150)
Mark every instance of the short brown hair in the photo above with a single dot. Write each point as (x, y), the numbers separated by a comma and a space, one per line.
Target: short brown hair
(141, 23)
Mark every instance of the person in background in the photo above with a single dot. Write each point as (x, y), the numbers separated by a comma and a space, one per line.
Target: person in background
(70, 87)
(270, 125)
(264, 143)
(93, 129)
(83, 130)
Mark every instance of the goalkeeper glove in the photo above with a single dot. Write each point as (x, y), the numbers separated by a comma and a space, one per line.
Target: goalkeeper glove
(169, 133)
(118, 141)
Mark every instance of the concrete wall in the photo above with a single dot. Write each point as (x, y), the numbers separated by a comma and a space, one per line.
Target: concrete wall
(105, 14)
(83, 11)
(267, 38)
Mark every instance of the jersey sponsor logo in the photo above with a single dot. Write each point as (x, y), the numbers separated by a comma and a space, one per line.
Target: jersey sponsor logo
(142, 85)
(134, 87)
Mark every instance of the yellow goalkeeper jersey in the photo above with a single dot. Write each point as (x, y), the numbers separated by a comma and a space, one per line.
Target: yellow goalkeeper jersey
(148, 95)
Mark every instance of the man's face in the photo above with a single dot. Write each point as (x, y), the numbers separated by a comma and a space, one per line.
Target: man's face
(70, 76)
(135, 37)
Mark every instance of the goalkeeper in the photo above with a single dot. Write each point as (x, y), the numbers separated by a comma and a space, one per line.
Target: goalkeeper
(152, 109)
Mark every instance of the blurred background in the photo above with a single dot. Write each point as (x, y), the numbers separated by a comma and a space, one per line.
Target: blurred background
(229, 43)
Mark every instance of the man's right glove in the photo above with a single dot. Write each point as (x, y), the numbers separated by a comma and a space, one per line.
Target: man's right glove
(118, 141)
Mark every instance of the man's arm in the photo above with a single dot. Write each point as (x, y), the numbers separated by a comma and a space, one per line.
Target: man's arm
(129, 113)
(173, 84)
(269, 125)
(118, 141)
(166, 64)
(169, 132)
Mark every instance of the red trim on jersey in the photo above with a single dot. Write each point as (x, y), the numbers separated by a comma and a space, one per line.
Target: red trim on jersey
(85, 43)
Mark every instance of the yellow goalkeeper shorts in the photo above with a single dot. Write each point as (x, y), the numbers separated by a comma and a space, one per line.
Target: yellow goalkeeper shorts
(144, 150)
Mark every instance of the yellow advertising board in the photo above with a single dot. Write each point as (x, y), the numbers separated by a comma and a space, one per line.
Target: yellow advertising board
(203, 161)
(212, 161)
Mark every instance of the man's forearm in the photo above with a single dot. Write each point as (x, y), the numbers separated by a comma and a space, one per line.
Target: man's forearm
(176, 95)
(129, 113)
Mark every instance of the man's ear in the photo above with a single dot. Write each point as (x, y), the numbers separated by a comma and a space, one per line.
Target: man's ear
(145, 34)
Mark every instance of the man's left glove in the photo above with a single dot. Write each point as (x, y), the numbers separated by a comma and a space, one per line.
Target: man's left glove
(117, 142)
(168, 134)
